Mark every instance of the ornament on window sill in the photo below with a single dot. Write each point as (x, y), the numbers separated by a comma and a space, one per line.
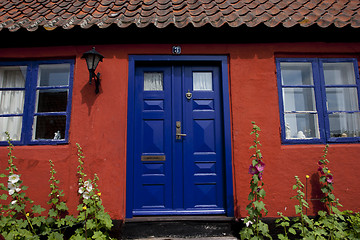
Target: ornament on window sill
(301, 135)
(57, 135)
(287, 131)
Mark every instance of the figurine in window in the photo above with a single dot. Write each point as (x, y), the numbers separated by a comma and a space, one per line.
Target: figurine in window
(300, 134)
(287, 130)
(57, 135)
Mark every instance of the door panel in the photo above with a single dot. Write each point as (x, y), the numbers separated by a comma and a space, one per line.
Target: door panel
(178, 175)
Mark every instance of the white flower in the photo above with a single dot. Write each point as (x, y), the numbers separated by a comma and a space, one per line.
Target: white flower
(17, 189)
(14, 178)
(13, 202)
(247, 221)
(86, 195)
(81, 190)
(11, 191)
(88, 186)
(11, 186)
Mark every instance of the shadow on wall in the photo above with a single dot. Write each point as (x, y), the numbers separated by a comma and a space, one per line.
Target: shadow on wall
(89, 96)
(316, 194)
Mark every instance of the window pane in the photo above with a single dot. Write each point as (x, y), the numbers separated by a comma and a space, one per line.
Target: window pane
(54, 75)
(12, 102)
(339, 73)
(299, 99)
(344, 124)
(202, 81)
(49, 127)
(342, 99)
(12, 125)
(153, 81)
(296, 73)
(52, 100)
(12, 77)
(301, 126)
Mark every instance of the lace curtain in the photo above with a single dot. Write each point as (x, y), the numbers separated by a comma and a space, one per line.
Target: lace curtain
(202, 81)
(153, 81)
(11, 102)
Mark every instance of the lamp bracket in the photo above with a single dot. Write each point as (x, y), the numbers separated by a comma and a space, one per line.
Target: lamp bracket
(96, 78)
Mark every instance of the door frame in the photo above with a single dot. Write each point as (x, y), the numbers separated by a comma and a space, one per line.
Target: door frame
(222, 61)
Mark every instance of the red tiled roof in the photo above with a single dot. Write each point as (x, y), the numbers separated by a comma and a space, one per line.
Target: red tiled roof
(31, 14)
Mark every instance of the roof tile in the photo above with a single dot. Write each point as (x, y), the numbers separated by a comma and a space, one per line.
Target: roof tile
(30, 14)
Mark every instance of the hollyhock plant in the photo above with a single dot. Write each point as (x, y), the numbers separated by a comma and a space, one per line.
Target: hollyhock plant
(256, 208)
(327, 181)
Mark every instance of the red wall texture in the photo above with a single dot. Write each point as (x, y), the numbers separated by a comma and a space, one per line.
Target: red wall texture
(99, 125)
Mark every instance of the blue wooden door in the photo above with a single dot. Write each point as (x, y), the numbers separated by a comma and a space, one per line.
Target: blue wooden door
(178, 152)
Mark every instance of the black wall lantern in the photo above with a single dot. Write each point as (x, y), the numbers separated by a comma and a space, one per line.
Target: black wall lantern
(93, 58)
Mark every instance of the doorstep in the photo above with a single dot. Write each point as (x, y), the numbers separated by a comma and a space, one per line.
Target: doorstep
(180, 227)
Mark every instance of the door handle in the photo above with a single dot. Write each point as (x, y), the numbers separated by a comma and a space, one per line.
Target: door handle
(178, 131)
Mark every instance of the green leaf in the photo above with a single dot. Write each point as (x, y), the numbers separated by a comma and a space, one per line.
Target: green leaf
(262, 193)
(56, 236)
(62, 206)
(99, 236)
(260, 205)
(80, 207)
(38, 221)
(292, 231)
(52, 213)
(251, 196)
(38, 209)
(3, 175)
(3, 196)
(77, 237)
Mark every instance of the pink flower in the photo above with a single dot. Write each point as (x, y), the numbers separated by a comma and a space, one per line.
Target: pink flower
(253, 170)
(320, 169)
(260, 166)
(329, 178)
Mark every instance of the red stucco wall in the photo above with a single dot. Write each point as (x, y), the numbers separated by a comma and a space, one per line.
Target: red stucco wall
(98, 124)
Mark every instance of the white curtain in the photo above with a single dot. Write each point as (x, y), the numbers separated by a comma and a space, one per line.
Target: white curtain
(202, 81)
(11, 102)
(153, 81)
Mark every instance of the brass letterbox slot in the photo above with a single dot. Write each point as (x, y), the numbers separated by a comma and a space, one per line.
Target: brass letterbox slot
(153, 158)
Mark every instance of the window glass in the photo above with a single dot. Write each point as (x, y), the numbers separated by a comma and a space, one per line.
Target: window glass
(12, 125)
(12, 95)
(202, 81)
(339, 73)
(296, 73)
(299, 99)
(49, 127)
(52, 97)
(54, 75)
(52, 100)
(301, 125)
(153, 81)
(342, 99)
(344, 124)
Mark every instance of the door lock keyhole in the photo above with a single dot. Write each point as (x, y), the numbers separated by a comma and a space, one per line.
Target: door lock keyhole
(188, 95)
